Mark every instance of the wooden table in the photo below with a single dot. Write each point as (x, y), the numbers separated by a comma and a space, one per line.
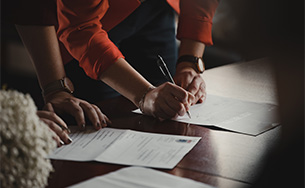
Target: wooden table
(221, 158)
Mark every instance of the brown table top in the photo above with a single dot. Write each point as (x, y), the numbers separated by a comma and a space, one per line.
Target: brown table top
(221, 158)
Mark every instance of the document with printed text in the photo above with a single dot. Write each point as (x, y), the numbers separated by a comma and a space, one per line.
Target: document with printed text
(232, 114)
(139, 177)
(126, 147)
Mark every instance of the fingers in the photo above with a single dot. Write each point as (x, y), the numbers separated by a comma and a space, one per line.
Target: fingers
(103, 118)
(192, 82)
(73, 108)
(91, 114)
(184, 78)
(80, 108)
(62, 102)
(195, 85)
(53, 117)
(201, 94)
(198, 88)
(61, 135)
(168, 108)
(168, 101)
(181, 94)
(98, 119)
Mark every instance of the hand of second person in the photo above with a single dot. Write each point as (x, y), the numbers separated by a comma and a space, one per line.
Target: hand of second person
(57, 125)
(63, 102)
(167, 101)
(190, 80)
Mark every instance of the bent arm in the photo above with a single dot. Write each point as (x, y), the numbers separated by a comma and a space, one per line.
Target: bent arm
(42, 45)
(82, 33)
(124, 79)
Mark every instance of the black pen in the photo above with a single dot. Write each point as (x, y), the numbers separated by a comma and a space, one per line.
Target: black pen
(167, 74)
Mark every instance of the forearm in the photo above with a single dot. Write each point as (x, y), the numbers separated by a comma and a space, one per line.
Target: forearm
(42, 45)
(190, 47)
(124, 79)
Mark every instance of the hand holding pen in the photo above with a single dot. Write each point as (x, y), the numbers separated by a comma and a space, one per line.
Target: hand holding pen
(167, 74)
(166, 101)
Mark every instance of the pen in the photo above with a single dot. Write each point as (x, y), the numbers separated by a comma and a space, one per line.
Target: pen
(167, 74)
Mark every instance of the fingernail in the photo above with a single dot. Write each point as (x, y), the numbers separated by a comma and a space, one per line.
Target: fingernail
(69, 140)
(104, 123)
(61, 142)
(98, 125)
(83, 126)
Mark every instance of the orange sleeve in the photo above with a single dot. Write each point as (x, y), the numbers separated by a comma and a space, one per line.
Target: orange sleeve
(195, 20)
(80, 30)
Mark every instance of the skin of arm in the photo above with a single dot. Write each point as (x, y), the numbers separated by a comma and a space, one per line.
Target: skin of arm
(166, 101)
(52, 120)
(186, 76)
(82, 33)
(195, 32)
(42, 44)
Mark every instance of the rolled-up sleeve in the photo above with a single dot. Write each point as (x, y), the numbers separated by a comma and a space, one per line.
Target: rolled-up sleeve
(80, 30)
(195, 20)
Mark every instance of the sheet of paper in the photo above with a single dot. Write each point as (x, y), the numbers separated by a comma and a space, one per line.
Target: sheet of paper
(127, 147)
(87, 145)
(232, 114)
(138, 177)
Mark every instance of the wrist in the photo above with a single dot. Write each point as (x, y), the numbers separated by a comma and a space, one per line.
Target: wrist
(142, 100)
(61, 85)
(55, 95)
(194, 62)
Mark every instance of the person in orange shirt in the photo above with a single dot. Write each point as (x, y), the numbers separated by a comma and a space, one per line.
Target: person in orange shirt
(117, 42)
(34, 21)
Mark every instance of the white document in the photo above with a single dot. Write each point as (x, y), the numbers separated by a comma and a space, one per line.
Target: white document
(232, 114)
(126, 147)
(139, 177)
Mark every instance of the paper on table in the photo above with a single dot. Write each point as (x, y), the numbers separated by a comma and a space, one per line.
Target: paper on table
(232, 114)
(126, 147)
(138, 177)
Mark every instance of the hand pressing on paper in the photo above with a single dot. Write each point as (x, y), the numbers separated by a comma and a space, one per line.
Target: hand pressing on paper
(167, 101)
(191, 81)
(63, 102)
(57, 125)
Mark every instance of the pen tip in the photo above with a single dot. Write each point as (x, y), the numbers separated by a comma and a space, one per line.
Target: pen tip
(189, 115)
